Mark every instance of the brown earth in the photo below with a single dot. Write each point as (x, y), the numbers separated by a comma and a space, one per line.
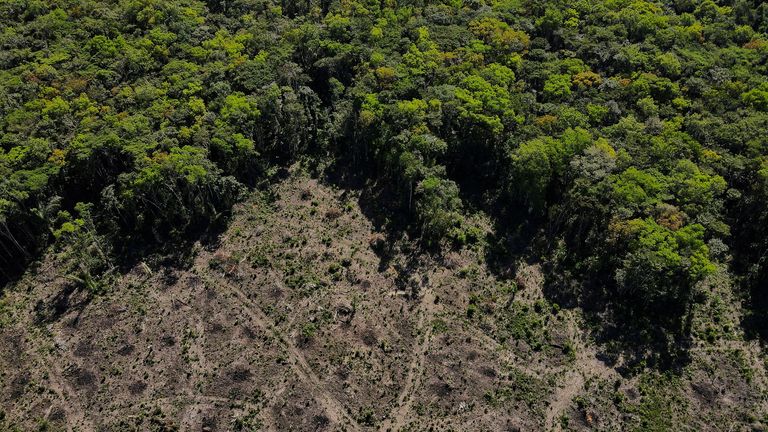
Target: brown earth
(297, 320)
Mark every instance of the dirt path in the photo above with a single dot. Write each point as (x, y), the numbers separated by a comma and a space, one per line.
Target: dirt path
(74, 409)
(505, 354)
(194, 405)
(585, 367)
(573, 384)
(270, 421)
(334, 409)
(69, 398)
(399, 415)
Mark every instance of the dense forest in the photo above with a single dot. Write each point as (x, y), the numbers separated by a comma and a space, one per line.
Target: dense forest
(622, 142)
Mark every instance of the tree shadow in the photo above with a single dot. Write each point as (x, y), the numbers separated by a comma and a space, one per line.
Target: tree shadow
(755, 320)
(629, 336)
(16, 269)
(377, 201)
(19, 250)
(750, 265)
(128, 250)
(73, 295)
(632, 341)
(70, 297)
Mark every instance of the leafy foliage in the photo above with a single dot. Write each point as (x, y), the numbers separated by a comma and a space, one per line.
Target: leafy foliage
(632, 132)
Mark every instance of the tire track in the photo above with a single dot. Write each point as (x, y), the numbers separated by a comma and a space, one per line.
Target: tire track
(62, 386)
(335, 409)
(586, 367)
(399, 415)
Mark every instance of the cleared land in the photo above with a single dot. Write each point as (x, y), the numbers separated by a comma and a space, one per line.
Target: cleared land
(302, 317)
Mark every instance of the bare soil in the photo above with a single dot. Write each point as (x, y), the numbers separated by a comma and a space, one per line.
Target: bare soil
(296, 320)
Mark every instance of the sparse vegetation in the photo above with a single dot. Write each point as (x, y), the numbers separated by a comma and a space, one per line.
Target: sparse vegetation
(351, 215)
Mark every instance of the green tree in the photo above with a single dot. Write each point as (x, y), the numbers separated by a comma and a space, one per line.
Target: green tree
(438, 209)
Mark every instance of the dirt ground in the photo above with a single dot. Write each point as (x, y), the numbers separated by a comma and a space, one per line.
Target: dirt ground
(303, 318)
